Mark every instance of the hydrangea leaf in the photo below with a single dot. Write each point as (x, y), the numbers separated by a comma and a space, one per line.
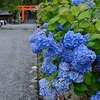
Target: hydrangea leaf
(95, 77)
(83, 7)
(55, 1)
(87, 78)
(52, 27)
(62, 20)
(90, 29)
(63, 10)
(63, 1)
(97, 44)
(53, 20)
(53, 76)
(70, 18)
(94, 36)
(80, 87)
(79, 93)
(95, 86)
(84, 15)
(83, 24)
(90, 44)
(98, 25)
(75, 10)
(80, 30)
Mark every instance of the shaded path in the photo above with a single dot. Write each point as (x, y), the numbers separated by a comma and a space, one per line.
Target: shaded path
(15, 64)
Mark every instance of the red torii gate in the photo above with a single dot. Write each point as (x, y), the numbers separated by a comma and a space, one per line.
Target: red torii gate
(26, 7)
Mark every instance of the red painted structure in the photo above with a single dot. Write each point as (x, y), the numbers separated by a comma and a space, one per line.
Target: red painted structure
(22, 8)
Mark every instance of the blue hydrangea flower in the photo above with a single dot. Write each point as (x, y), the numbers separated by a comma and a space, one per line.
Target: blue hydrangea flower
(83, 59)
(61, 85)
(51, 37)
(79, 79)
(48, 67)
(35, 49)
(45, 25)
(64, 66)
(90, 3)
(60, 27)
(63, 72)
(98, 62)
(42, 41)
(96, 97)
(86, 38)
(54, 50)
(70, 75)
(72, 40)
(45, 89)
(67, 56)
(33, 38)
(77, 2)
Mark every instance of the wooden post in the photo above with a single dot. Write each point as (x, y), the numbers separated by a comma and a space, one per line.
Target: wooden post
(23, 16)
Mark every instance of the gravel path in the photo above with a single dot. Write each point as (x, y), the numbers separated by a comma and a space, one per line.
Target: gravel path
(16, 62)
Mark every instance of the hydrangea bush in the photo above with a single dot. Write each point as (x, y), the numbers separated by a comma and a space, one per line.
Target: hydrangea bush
(70, 42)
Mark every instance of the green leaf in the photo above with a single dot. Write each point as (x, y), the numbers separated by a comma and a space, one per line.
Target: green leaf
(55, 1)
(53, 20)
(70, 18)
(83, 24)
(59, 36)
(83, 7)
(79, 93)
(95, 86)
(43, 75)
(44, 18)
(90, 44)
(63, 1)
(90, 29)
(52, 27)
(40, 63)
(97, 44)
(84, 15)
(94, 36)
(87, 78)
(75, 10)
(62, 20)
(80, 30)
(80, 87)
(63, 10)
(98, 25)
(53, 76)
(95, 77)
(66, 26)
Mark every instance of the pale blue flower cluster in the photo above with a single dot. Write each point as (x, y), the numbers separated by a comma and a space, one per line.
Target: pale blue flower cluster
(77, 2)
(96, 97)
(67, 56)
(82, 59)
(48, 67)
(61, 85)
(45, 89)
(90, 3)
(72, 40)
(70, 75)
(45, 25)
